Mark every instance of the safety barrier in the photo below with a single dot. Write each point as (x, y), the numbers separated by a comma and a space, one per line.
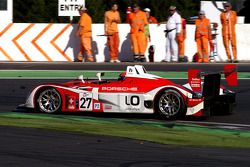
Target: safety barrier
(57, 42)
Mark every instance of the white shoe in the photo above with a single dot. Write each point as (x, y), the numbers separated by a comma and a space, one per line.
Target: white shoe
(112, 61)
(117, 61)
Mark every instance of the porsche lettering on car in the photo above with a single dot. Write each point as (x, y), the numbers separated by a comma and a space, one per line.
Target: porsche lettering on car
(135, 91)
(124, 89)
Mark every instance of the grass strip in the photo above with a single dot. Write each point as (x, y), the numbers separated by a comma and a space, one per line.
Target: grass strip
(160, 132)
(75, 74)
(87, 74)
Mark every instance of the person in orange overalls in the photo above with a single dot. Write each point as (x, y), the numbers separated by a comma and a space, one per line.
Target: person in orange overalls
(181, 41)
(228, 20)
(111, 19)
(85, 33)
(138, 21)
(202, 37)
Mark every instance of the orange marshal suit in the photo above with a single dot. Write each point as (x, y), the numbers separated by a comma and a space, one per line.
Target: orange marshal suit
(85, 24)
(137, 22)
(228, 21)
(182, 37)
(202, 37)
(111, 28)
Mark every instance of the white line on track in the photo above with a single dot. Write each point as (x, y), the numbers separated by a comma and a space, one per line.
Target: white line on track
(217, 124)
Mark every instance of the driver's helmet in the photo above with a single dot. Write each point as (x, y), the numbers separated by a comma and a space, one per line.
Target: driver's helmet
(122, 76)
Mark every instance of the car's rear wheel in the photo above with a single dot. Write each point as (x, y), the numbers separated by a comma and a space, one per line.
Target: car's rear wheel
(170, 104)
(49, 101)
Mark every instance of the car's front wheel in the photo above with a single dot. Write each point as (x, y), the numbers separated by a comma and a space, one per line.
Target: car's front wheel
(49, 101)
(170, 104)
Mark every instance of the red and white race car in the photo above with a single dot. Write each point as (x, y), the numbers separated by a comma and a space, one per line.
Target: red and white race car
(135, 91)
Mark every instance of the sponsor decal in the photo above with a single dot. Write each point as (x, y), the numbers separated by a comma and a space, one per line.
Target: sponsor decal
(71, 102)
(97, 106)
(130, 71)
(132, 109)
(131, 103)
(122, 89)
(108, 107)
(194, 102)
(194, 79)
(85, 94)
(132, 100)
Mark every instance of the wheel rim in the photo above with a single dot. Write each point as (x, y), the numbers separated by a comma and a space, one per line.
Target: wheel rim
(49, 101)
(169, 104)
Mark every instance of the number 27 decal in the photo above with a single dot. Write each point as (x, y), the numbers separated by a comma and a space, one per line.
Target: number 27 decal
(85, 102)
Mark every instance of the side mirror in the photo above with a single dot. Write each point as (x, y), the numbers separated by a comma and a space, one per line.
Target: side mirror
(80, 77)
(99, 75)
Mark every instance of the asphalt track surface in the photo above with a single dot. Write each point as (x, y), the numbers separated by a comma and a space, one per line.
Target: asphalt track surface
(22, 147)
(34, 147)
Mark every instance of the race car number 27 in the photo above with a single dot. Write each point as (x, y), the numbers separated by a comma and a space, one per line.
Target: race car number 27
(85, 102)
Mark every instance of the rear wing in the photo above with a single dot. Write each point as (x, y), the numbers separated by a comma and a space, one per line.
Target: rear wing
(211, 84)
(231, 75)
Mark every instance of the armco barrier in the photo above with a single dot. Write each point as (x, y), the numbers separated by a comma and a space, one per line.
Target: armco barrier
(57, 42)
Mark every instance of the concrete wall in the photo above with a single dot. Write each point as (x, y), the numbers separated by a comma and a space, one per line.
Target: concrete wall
(57, 42)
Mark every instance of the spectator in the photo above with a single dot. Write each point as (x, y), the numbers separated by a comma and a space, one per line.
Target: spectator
(173, 29)
(228, 21)
(85, 33)
(138, 21)
(111, 19)
(202, 37)
(151, 19)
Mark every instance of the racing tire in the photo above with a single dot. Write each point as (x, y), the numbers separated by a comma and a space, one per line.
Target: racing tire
(170, 104)
(49, 101)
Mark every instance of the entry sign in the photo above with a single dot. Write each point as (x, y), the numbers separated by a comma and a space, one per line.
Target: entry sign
(69, 7)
